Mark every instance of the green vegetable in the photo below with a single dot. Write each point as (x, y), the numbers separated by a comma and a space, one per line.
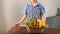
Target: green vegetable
(30, 22)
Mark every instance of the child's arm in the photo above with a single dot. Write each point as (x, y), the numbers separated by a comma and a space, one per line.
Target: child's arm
(43, 17)
(21, 20)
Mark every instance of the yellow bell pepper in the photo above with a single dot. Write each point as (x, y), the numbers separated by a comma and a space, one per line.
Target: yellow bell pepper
(42, 23)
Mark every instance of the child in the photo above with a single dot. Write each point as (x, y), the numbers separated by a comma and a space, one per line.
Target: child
(31, 10)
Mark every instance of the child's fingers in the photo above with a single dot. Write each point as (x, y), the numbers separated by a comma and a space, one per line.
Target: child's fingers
(16, 25)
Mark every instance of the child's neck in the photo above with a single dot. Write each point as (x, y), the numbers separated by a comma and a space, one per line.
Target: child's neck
(33, 3)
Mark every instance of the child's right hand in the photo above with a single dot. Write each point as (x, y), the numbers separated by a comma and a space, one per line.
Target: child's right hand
(17, 25)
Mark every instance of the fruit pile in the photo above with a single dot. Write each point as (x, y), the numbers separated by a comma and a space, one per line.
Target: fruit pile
(36, 23)
(30, 22)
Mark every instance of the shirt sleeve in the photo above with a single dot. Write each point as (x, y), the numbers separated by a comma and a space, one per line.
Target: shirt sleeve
(43, 10)
(25, 10)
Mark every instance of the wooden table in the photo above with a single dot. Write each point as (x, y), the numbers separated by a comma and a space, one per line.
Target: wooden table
(22, 30)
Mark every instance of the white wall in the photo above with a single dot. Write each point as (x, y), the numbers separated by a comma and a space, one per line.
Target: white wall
(51, 6)
(59, 4)
(12, 9)
(8, 13)
(2, 24)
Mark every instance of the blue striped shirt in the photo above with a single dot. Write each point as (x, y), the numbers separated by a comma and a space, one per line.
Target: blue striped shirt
(31, 11)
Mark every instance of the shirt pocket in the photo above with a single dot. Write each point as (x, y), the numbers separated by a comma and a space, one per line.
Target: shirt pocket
(29, 10)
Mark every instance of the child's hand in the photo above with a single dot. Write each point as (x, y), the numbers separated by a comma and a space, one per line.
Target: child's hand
(17, 25)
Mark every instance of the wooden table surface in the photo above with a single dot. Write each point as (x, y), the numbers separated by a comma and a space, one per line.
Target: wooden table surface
(22, 30)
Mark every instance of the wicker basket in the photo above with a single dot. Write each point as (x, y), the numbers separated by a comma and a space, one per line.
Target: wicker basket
(35, 29)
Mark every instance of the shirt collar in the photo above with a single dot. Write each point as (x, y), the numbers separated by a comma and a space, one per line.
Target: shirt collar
(37, 3)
